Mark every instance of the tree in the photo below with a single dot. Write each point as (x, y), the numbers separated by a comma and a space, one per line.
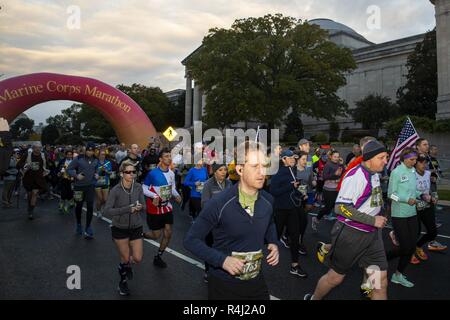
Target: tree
(94, 124)
(418, 96)
(22, 128)
(334, 131)
(152, 100)
(374, 110)
(294, 127)
(50, 135)
(262, 67)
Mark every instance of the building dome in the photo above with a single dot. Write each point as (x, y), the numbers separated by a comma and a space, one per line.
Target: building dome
(334, 27)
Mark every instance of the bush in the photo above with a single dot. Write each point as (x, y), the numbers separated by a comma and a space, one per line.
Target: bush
(320, 137)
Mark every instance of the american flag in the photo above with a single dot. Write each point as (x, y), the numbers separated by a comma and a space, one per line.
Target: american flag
(408, 137)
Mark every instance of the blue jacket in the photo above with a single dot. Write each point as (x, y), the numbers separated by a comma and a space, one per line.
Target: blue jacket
(282, 188)
(233, 229)
(192, 177)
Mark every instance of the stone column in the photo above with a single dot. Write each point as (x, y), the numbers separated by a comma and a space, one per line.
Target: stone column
(197, 103)
(188, 103)
(442, 14)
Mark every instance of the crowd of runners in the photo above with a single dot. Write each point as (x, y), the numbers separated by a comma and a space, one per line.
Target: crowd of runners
(240, 215)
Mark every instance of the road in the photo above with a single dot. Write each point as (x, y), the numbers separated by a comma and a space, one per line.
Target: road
(35, 255)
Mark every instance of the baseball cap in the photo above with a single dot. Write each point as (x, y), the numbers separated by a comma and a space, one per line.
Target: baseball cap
(304, 141)
(288, 154)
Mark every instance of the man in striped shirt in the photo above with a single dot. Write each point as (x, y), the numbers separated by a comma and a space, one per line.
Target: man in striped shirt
(159, 188)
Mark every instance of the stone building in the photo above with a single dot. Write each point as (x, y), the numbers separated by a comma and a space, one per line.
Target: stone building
(381, 69)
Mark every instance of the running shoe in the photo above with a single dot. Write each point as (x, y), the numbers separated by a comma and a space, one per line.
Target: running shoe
(284, 241)
(79, 230)
(401, 279)
(123, 288)
(438, 225)
(65, 210)
(436, 246)
(129, 271)
(298, 271)
(99, 215)
(393, 238)
(366, 292)
(308, 296)
(314, 223)
(89, 234)
(421, 254)
(414, 260)
(302, 249)
(321, 251)
(159, 262)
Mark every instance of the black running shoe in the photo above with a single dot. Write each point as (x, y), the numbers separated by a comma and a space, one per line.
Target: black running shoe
(158, 262)
(302, 249)
(307, 296)
(298, 271)
(129, 273)
(123, 288)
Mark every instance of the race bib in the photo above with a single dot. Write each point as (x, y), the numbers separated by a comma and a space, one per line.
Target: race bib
(404, 179)
(101, 181)
(252, 264)
(165, 192)
(376, 200)
(199, 188)
(302, 189)
(78, 195)
(34, 166)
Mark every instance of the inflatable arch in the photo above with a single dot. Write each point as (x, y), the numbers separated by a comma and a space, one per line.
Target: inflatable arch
(128, 120)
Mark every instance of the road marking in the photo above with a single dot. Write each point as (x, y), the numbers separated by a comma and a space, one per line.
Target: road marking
(173, 252)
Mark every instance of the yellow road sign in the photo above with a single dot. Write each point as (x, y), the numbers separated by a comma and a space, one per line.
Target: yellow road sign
(170, 133)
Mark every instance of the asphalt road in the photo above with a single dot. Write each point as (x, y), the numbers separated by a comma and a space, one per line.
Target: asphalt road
(35, 255)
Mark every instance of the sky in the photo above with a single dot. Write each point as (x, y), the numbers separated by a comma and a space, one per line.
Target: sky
(144, 41)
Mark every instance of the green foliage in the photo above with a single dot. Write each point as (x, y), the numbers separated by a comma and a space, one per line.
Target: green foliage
(261, 67)
(320, 138)
(50, 135)
(22, 129)
(373, 110)
(394, 126)
(152, 100)
(418, 96)
(82, 120)
(334, 131)
(294, 127)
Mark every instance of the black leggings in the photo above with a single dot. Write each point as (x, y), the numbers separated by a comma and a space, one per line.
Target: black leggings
(428, 218)
(405, 230)
(303, 221)
(195, 206)
(88, 197)
(66, 189)
(290, 219)
(330, 199)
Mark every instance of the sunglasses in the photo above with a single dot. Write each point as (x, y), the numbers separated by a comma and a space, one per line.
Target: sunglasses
(130, 172)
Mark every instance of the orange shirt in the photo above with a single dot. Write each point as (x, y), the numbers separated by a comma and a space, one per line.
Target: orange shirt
(350, 166)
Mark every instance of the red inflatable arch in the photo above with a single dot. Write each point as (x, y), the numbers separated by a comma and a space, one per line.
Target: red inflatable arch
(129, 121)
